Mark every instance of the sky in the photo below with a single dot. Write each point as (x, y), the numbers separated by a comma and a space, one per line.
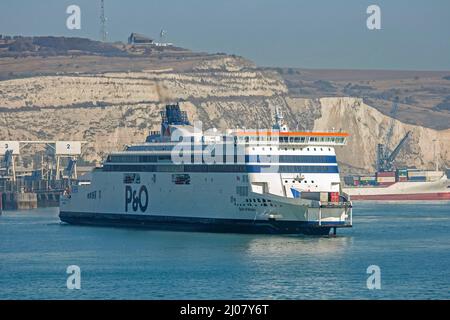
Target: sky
(414, 34)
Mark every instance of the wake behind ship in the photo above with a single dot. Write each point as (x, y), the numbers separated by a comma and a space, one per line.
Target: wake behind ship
(245, 181)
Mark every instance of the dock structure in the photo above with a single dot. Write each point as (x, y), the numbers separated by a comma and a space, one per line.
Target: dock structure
(19, 201)
(25, 187)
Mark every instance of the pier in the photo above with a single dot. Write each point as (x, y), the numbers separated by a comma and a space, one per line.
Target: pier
(27, 183)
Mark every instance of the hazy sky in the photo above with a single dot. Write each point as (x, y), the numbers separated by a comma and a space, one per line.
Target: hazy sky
(299, 33)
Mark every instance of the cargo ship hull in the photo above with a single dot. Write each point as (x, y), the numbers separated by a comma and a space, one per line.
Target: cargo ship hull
(403, 191)
(404, 197)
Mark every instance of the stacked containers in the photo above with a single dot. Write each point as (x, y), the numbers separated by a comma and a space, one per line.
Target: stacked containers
(386, 178)
(417, 176)
(368, 180)
(351, 180)
(402, 175)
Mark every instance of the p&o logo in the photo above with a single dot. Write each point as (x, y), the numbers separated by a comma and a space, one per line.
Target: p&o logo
(137, 199)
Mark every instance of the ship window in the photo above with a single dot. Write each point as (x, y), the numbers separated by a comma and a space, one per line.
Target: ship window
(312, 181)
(242, 191)
(315, 149)
(307, 149)
(259, 200)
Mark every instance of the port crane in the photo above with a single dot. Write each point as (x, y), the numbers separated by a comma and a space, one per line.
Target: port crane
(386, 157)
(8, 162)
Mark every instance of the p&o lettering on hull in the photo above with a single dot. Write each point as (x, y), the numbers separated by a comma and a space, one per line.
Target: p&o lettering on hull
(136, 199)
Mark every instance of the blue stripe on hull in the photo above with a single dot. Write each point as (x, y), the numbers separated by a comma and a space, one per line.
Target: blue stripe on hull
(195, 224)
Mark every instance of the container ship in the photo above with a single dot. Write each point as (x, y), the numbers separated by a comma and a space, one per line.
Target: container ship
(272, 181)
(399, 185)
(393, 184)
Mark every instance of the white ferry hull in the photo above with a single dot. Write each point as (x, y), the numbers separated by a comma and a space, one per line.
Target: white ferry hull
(206, 204)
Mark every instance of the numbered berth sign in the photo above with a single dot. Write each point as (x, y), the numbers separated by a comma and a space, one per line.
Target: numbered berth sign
(68, 148)
(9, 145)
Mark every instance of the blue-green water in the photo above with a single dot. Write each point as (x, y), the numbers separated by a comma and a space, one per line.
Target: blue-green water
(410, 243)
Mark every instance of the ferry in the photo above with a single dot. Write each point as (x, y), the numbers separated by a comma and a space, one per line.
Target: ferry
(272, 181)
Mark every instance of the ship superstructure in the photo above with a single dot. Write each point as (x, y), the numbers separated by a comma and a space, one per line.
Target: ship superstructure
(250, 181)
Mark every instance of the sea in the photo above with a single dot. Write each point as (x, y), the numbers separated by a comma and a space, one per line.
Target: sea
(393, 251)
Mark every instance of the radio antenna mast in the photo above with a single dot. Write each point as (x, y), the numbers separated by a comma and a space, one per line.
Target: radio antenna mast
(103, 32)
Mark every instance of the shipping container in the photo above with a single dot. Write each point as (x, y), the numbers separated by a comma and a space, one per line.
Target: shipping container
(402, 179)
(417, 179)
(402, 173)
(386, 174)
(334, 196)
(324, 197)
(417, 173)
(311, 196)
(348, 180)
(367, 178)
(437, 174)
(351, 180)
(385, 179)
(368, 183)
